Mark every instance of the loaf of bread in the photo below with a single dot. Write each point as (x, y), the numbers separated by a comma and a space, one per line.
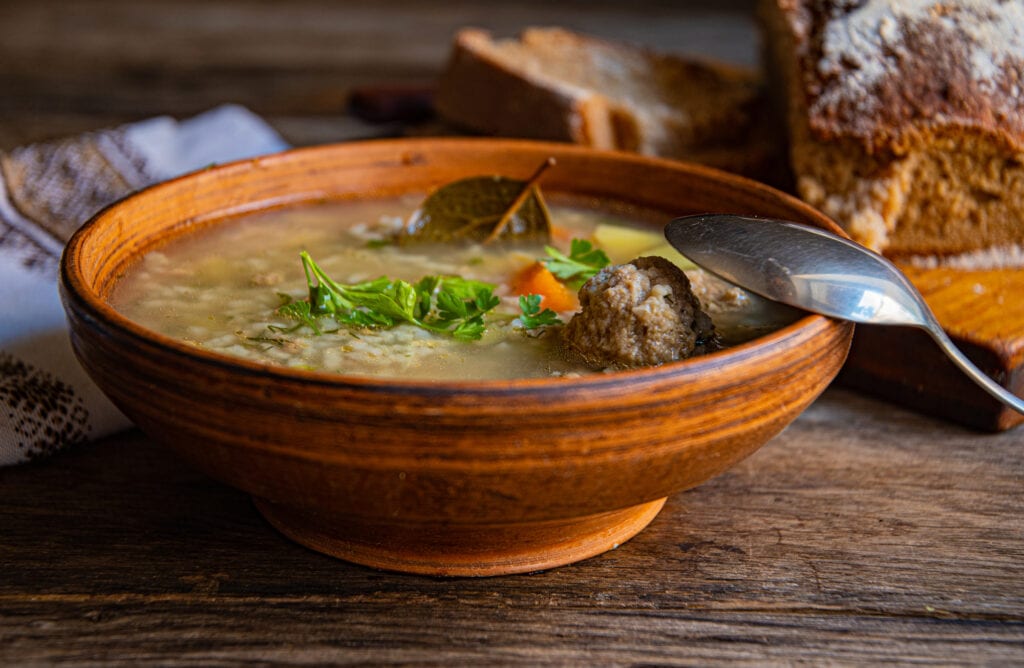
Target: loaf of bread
(906, 120)
(558, 85)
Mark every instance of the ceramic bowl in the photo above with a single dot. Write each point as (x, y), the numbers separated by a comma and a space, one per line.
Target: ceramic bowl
(442, 478)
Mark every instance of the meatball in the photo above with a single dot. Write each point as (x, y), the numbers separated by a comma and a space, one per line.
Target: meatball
(639, 314)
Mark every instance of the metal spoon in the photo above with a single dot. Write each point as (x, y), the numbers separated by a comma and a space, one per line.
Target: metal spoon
(817, 271)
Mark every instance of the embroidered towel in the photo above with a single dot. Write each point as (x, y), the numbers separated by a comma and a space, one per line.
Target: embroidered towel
(46, 192)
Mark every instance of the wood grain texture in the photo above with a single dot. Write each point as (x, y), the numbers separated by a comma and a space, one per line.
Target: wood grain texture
(983, 312)
(862, 534)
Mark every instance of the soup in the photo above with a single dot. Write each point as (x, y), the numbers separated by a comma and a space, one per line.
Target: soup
(223, 289)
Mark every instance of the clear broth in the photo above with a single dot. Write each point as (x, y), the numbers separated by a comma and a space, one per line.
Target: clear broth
(220, 290)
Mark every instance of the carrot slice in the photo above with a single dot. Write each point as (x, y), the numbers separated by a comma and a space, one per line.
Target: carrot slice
(562, 235)
(536, 279)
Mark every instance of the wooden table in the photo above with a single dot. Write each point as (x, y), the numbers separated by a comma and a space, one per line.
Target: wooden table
(862, 534)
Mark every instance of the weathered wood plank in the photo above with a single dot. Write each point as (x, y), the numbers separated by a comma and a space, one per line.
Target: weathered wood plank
(862, 533)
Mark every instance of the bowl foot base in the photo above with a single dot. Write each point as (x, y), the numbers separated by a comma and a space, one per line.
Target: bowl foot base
(461, 550)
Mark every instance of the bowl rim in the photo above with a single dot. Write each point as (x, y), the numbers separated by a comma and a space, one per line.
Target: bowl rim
(77, 293)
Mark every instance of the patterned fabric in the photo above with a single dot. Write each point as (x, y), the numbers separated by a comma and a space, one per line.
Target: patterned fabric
(47, 403)
(30, 254)
(44, 412)
(45, 185)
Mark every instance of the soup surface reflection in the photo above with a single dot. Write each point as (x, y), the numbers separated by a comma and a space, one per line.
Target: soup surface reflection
(221, 290)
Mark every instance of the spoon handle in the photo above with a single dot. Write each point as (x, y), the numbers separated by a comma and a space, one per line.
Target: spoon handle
(967, 366)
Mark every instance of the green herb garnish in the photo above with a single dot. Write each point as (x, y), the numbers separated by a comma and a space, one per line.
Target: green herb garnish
(270, 341)
(299, 310)
(445, 304)
(532, 317)
(582, 262)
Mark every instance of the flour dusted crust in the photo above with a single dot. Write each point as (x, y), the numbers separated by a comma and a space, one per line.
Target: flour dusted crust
(906, 120)
(559, 85)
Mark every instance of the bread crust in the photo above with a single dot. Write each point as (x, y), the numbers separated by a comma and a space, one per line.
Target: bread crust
(906, 118)
(479, 90)
(555, 84)
(892, 74)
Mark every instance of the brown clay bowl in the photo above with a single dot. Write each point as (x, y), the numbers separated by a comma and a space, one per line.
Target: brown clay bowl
(444, 478)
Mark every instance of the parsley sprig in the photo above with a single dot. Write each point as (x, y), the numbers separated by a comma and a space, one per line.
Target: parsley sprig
(445, 304)
(532, 317)
(582, 262)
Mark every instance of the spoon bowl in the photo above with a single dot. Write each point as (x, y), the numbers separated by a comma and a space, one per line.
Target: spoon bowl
(815, 270)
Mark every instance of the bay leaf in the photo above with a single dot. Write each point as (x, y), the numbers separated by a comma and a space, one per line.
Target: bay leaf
(482, 209)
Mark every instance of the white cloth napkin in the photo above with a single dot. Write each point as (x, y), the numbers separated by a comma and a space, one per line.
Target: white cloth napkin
(46, 191)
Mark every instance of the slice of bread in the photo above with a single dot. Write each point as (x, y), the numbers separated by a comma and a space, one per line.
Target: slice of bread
(558, 85)
(906, 120)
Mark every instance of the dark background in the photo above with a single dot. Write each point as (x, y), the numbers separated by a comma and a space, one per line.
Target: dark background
(66, 67)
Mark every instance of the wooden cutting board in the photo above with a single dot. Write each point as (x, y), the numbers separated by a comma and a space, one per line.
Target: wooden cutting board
(983, 312)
